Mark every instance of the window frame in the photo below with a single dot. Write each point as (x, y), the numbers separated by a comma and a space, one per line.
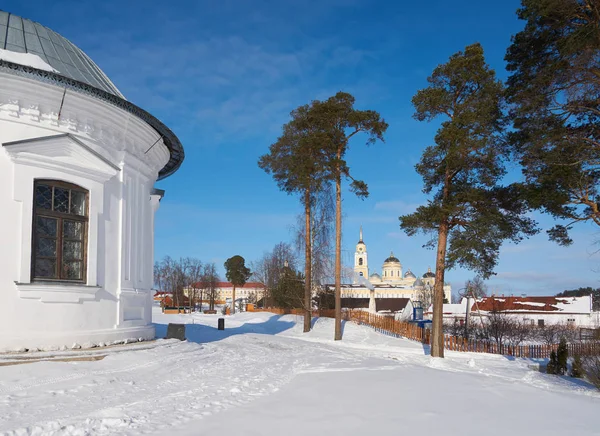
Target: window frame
(60, 217)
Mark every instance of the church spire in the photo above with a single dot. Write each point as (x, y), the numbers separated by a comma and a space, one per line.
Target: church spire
(361, 238)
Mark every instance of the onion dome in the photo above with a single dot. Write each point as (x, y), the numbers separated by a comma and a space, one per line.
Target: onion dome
(375, 276)
(392, 259)
(428, 274)
(28, 49)
(409, 275)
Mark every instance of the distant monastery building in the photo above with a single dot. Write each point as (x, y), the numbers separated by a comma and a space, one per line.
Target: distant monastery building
(391, 283)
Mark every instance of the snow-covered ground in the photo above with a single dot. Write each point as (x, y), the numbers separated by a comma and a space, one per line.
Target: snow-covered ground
(263, 376)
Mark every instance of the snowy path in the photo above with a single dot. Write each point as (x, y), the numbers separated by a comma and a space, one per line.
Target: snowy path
(261, 369)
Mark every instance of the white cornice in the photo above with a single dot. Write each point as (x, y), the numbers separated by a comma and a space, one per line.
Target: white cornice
(62, 152)
(57, 292)
(31, 102)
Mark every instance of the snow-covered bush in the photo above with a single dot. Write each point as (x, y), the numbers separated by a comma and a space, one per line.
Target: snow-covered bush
(577, 367)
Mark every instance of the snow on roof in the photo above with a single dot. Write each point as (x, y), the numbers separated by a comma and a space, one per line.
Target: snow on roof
(452, 309)
(27, 59)
(535, 304)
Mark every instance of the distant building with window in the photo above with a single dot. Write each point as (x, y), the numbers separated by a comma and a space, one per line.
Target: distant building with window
(536, 311)
(391, 283)
(252, 291)
(78, 163)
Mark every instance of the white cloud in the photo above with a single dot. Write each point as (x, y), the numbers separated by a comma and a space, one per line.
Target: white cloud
(396, 206)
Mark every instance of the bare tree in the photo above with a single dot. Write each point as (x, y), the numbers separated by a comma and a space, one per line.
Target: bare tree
(425, 296)
(475, 288)
(519, 332)
(549, 333)
(171, 277)
(209, 281)
(591, 366)
(499, 327)
(268, 269)
(322, 237)
(193, 272)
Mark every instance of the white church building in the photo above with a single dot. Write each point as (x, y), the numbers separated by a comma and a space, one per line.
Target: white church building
(78, 163)
(393, 282)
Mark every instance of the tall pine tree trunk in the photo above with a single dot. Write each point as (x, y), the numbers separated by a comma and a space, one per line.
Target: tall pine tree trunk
(307, 262)
(437, 328)
(338, 256)
(233, 301)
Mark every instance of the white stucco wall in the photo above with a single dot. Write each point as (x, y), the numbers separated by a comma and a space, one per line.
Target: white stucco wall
(104, 153)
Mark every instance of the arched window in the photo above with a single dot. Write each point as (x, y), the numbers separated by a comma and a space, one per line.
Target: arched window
(60, 218)
(360, 261)
(361, 274)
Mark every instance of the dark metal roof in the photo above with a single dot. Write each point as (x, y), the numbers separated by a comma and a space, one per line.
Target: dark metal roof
(25, 36)
(391, 304)
(392, 258)
(76, 72)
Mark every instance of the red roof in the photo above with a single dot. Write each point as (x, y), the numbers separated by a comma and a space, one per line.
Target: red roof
(183, 301)
(529, 304)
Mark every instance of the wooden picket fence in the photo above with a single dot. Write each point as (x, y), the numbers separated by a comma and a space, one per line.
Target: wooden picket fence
(454, 343)
(391, 327)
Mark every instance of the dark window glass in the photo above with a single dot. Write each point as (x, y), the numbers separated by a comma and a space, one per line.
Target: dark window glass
(60, 231)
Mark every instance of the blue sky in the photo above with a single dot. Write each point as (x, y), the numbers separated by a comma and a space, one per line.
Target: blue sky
(224, 77)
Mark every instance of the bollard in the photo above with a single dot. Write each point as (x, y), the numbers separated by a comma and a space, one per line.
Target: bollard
(221, 323)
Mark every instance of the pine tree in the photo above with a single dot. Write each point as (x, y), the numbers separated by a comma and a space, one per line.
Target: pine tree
(296, 161)
(471, 213)
(237, 273)
(338, 117)
(577, 367)
(562, 357)
(552, 367)
(554, 89)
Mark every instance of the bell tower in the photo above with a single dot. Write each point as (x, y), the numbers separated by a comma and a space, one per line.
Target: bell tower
(361, 264)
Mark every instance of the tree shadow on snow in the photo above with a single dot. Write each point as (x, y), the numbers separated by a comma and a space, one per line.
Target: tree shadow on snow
(201, 333)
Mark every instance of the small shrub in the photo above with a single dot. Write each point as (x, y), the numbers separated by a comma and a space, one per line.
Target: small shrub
(577, 367)
(591, 368)
(562, 356)
(552, 367)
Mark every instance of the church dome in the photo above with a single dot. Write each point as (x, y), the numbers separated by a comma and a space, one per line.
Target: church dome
(28, 49)
(428, 274)
(375, 276)
(20, 35)
(391, 259)
(409, 275)
(418, 283)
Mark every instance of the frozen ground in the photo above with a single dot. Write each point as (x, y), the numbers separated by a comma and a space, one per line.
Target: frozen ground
(263, 376)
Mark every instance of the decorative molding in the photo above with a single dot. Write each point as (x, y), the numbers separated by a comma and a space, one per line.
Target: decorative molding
(62, 152)
(98, 125)
(170, 140)
(48, 292)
